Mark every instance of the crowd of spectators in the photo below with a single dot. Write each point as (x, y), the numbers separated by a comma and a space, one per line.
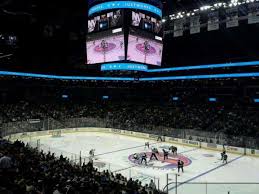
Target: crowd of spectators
(199, 117)
(24, 170)
(204, 117)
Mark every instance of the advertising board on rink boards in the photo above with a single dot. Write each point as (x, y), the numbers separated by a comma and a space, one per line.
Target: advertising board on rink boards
(152, 136)
(85, 129)
(127, 132)
(232, 149)
(130, 133)
(211, 145)
(139, 134)
(171, 139)
(252, 152)
(194, 143)
(116, 130)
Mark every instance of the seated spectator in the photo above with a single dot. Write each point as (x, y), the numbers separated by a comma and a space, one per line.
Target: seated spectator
(5, 162)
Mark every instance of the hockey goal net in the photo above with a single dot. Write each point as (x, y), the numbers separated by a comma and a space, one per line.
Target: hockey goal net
(56, 133)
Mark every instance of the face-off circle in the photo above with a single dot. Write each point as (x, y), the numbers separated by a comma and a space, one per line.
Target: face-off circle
(109, 47)
(141, 47)
(169, 163)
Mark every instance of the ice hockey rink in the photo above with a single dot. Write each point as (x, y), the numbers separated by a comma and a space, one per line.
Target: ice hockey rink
(137, 55)
(204, 173)
(114, 52)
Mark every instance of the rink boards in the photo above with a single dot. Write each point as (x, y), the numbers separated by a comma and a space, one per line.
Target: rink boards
(204, 145)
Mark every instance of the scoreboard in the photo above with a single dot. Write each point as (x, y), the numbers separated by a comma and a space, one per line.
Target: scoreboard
(124, 31)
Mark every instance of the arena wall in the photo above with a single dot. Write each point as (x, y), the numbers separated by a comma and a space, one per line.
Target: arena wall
(197, 144)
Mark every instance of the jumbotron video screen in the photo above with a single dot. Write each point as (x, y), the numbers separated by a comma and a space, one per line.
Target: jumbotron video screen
(105, 48)
(112, 37)
(144, 49)
(102, 22)
(147, 23)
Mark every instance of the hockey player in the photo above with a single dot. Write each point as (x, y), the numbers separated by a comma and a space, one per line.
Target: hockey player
(121, 44)
(103, 44)
(225, 158)
(144, 158)
(159, 138)
(222, 154)
(147, 144)
(146, 46)
(165, 154)
(224, 149)
(154, 152)
(173, 149)
(180, 165)
(136, 157)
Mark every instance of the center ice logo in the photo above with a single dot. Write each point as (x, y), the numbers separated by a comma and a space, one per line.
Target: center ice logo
(169, 163)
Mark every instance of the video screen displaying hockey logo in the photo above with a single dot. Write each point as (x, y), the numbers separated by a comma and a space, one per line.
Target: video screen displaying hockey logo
(147, 23)
(105, 21)
(144, 50)
(106, 49)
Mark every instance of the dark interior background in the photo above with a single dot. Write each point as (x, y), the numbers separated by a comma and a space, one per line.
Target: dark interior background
(51, 38)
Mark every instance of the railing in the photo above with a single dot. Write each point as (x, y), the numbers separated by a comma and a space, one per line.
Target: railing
(212, 188)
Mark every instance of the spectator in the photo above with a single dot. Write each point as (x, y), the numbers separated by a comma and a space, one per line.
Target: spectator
(152, 185)
(5, 162)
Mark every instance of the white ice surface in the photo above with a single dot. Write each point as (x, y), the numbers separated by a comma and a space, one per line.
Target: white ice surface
(113, 150)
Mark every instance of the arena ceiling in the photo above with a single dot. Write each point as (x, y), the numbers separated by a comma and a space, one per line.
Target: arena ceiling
(30, 20)
(29, 6)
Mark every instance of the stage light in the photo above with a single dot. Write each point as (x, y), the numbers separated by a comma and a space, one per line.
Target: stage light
(205, 7)
(117, 30)
(64, 96)
(158, 38)
(212, 99)
(175, 98)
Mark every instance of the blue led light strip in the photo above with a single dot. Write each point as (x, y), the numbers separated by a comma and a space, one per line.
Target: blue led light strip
(125, 5)
(211, 76)
(9, 73)
(239, 64)
(188, 77)
(124, 66)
